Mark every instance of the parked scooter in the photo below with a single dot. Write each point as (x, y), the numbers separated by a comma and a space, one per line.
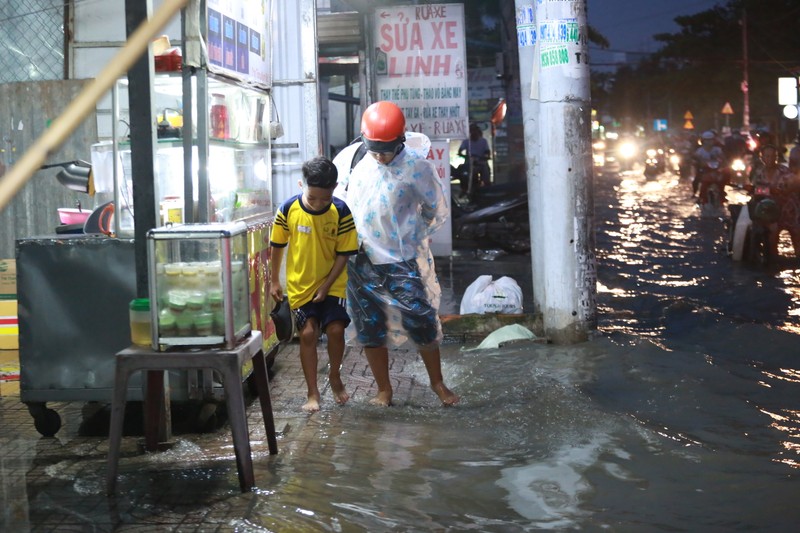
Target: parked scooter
(504, 224)
(496, 215)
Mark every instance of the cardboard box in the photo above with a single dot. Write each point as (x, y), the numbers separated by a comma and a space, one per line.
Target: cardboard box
(8, 279)
(9, 325)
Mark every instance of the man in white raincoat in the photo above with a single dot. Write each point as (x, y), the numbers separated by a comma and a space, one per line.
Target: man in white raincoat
(397, 201)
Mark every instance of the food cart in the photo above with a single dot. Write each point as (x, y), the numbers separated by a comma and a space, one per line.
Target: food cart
(212, 165)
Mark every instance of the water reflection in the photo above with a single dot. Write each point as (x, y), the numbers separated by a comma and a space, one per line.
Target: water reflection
(683, 414)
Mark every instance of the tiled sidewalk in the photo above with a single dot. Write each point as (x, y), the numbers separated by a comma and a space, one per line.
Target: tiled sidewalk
(57, 484)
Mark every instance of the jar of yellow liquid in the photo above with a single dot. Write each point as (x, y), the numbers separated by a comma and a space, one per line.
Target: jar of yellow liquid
(140, 322)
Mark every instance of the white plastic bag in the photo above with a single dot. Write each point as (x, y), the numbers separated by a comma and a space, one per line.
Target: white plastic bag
(486, 296)
(510, 333)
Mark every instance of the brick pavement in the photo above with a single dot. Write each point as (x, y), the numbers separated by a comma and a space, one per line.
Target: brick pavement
(56, 484)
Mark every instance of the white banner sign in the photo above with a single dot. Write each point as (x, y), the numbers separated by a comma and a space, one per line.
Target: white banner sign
(442, 239)
(420, 65)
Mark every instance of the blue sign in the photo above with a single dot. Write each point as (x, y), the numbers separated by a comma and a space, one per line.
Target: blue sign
(660, 124)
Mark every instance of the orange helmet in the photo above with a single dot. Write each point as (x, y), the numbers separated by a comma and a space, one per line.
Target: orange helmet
(383, 122)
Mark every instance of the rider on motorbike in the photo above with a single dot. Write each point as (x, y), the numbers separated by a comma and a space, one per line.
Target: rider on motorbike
(476, 150)
(770, 178)
(708, 160)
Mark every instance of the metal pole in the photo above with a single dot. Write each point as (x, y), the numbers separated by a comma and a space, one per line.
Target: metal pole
(143, 142)
(566, 200)
(745, 82)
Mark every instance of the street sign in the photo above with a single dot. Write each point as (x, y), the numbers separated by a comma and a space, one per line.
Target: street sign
(660, 124)
(688, 125)
(787, 91)
(727, 109)
(688, 115)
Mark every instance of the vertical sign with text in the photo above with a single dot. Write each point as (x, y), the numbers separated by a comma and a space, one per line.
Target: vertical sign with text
(420, 65)
(442, 239)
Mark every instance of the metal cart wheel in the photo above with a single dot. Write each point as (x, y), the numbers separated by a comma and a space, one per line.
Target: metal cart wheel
(46, 421)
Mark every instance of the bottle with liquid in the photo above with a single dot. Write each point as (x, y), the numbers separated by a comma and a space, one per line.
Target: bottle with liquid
(219, 117)
(140, 322)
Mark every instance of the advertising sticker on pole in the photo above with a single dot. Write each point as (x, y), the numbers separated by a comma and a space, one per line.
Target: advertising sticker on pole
(420, 65)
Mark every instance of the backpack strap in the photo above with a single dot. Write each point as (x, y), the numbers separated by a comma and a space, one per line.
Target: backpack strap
(358, 155)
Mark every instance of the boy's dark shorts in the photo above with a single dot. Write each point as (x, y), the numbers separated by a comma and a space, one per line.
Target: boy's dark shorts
(370, 286)
(331, 309)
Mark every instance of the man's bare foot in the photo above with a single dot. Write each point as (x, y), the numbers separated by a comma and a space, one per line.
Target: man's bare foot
(383, 399)
(447, 396)
(312, 405)
(339, 393)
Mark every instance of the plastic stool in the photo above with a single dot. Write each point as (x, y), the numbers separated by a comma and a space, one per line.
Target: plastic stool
(229, 365)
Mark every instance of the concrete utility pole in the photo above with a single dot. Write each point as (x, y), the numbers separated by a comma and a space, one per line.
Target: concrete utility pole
(557, 121)
(528, 48)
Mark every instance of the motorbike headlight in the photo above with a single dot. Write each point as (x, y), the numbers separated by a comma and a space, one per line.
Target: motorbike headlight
(737, 165)
(627, 150)
(675, 159)
(651, 152)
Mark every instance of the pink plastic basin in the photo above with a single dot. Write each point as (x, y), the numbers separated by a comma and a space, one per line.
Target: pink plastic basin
(71, 215)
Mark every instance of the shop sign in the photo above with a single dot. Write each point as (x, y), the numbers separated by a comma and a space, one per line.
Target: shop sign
(420, 65)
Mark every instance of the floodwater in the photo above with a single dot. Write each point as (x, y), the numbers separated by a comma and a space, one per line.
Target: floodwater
(682, 415)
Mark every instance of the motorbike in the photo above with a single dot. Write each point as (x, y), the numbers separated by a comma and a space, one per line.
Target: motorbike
(471, 176)
(496, 215)
(711, 191)
(655, 162)
(684, 163)
(673, 160)
(749, 228)
(738, 170)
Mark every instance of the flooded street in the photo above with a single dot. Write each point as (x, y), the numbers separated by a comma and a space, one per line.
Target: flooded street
(683, 414)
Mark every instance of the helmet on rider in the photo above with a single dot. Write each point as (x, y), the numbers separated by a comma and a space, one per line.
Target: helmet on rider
(382, 127)
(707, 135)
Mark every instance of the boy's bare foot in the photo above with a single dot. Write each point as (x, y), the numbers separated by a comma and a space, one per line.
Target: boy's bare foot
(383, 399)
(447, 396)
(312, 405)
(339, 393)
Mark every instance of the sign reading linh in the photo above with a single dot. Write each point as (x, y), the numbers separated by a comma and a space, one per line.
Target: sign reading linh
(420, 64)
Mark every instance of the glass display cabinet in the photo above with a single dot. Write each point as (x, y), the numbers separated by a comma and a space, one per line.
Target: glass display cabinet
(199, 285)
(229, 169)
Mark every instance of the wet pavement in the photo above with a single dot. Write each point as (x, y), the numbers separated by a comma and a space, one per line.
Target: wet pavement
(682, 415)
(58, 483)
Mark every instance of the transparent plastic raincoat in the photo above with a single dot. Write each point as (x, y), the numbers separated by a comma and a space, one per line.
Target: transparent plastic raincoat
(396, 207)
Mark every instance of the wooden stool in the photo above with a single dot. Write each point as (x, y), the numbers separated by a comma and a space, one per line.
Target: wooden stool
(229, 365)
